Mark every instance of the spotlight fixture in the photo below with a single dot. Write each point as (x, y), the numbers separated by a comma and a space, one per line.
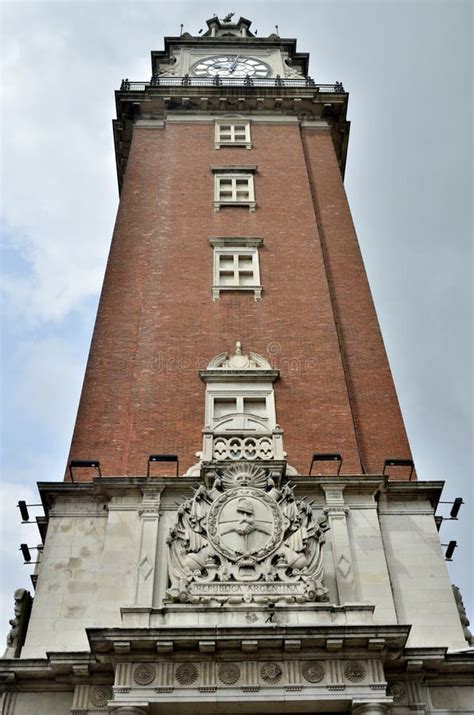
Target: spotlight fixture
(26, 551)
(162, 458)
(25, 515)
(456, 505)
(320, 457)
(84, 464)
(450, 550)
(397, 462)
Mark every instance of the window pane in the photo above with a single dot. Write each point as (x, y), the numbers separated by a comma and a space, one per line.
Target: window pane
(246, 279)
(224, 406)
(245, 263)
(255, 406)
(226, 262)
(226, 278)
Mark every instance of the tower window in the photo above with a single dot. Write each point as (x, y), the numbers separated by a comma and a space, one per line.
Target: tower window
(234, 189)
(234, 186)
(236, 266)
(232, 133)
(247, 408)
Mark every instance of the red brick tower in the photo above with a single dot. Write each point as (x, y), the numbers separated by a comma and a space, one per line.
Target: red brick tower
(233, 225)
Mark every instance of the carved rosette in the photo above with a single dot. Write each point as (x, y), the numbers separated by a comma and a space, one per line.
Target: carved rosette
(99, 695)
(144, 674)
(229, 673)
(398, 692)
(243, 539)
(355, 671)
(312, 671)
(186, 674)
(271, 673)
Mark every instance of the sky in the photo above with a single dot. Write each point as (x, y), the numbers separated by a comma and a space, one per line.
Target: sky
(408, 67)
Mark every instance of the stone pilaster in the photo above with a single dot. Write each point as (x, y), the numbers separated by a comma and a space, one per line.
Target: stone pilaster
(336, 512)
(150, 514)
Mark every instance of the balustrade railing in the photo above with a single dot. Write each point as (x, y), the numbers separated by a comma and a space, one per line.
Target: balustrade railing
(238, 82)
(235, 446)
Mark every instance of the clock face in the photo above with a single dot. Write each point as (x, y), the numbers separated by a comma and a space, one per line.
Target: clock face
(230, 66)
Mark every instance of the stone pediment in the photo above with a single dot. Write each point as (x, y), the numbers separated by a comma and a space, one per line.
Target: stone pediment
(238, 365)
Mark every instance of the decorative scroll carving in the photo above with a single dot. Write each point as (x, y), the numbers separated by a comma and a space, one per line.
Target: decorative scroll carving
(292, 70)
(19, 623)
(144, 674)
(242, 539)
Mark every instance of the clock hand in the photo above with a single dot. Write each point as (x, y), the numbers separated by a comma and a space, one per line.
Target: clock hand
(234, 63)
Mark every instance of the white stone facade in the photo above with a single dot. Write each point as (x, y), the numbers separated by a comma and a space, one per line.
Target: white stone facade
(109, 636)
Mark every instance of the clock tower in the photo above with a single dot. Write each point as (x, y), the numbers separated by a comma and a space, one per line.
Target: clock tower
(240, 526)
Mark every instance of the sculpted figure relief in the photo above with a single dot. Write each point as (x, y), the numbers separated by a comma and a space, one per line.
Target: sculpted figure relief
(243, 539)
(19, 623)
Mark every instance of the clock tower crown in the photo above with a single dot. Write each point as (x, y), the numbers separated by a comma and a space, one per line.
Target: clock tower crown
(233, 38)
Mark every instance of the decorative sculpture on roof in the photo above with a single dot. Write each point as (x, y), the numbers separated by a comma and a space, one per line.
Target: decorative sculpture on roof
(244, 539)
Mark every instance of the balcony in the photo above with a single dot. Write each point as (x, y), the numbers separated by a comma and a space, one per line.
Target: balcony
(240, 445)
(241, 83)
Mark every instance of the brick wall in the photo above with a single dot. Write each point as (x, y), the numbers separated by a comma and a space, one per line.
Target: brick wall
(157, 323)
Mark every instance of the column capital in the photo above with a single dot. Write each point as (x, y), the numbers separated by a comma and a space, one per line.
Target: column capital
(370, 708)
(129, 710)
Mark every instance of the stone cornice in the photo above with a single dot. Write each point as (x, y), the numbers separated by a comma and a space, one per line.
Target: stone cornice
(148, 102)
(110, 642)
(103, 488)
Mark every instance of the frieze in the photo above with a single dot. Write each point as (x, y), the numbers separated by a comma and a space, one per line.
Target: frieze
(244, 538)
(251, 675)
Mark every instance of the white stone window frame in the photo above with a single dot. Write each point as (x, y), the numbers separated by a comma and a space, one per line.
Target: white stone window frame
(236, 246)
(239, 391)
(235, 139)
(234, 174)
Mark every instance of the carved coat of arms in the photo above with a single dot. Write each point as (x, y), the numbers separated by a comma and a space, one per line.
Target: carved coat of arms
(243, 539)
